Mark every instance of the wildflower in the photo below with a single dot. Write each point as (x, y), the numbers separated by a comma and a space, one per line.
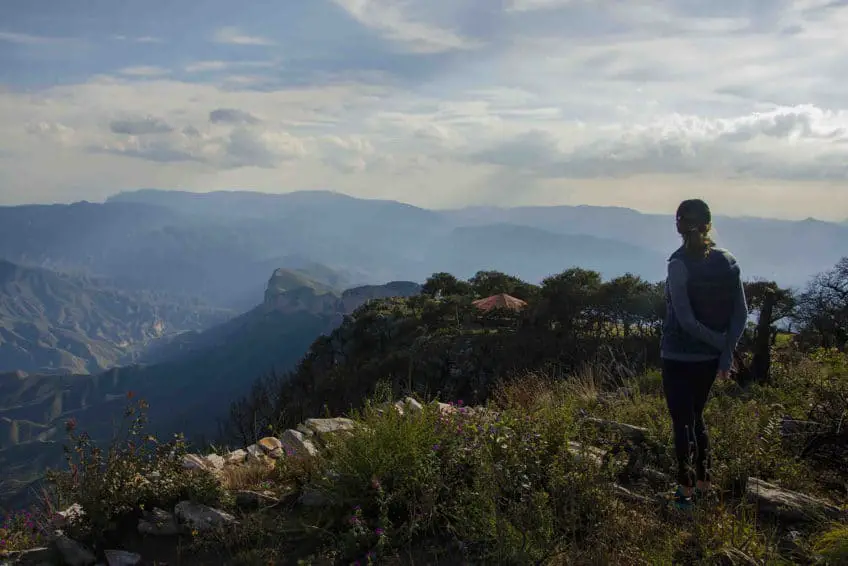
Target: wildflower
(436, 448)
(379, 532)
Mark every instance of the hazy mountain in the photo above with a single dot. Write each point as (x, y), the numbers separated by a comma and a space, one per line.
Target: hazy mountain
(787, 251)
(536, 253)
(196, 377)
(53, 322)
(219, 247)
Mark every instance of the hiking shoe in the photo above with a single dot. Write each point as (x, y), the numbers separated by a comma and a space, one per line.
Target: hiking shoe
(681, 501)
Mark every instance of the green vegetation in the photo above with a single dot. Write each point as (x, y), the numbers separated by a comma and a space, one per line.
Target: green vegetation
(524, 476)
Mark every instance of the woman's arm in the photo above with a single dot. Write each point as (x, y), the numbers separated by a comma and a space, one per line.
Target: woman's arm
(677, 286)
(738, 321)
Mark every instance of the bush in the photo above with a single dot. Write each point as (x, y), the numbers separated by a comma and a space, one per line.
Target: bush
(135, 472)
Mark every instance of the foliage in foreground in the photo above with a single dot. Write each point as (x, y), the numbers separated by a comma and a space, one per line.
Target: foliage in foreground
(501, 485)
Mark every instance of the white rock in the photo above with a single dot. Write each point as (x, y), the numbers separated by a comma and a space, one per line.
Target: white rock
(414, 406)
(201, 517)
(296, 443)
(254, 451)
(215, 462)
(327, 426)
(194, 462)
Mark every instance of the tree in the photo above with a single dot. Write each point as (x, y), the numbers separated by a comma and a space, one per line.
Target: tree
(823, 308)
(488, 283)
(444, 285)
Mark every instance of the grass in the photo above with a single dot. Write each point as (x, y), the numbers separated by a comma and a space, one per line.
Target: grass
(501, 485)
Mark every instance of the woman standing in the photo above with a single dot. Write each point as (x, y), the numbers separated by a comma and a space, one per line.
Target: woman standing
(706, 316)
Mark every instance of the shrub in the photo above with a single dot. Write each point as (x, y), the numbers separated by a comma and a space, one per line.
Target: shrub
(135, 472)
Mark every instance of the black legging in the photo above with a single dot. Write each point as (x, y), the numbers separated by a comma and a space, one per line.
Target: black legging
(687, 386)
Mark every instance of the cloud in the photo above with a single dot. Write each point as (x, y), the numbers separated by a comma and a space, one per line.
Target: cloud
(398, 22)
(144, 71)
(451, 102)
(139, 39)
(234, 36)
(232, 116)
(784, 143)
(144, 126)
(27, 39)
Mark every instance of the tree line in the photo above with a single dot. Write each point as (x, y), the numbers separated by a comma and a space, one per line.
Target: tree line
(439, 343)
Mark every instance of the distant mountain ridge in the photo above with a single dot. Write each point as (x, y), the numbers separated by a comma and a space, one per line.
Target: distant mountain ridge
(221, 246)
(189, 382)
(54, 322)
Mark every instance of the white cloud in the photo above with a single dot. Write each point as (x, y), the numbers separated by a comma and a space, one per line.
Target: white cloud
(398, 21)
(27, 39)
(234, 36)
(144, 71)
(451, 102)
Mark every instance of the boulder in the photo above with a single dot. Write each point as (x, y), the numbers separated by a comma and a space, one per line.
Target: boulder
(789, 506)
(214, 462)
(195, 462)
(295, 443)
(272, 447)
(254, 451)
(329, 426)
(72, 552)
(413, 405)
(201, 517)
(159, 523)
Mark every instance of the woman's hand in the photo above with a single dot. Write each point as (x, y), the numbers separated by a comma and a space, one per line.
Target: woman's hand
(723, 374)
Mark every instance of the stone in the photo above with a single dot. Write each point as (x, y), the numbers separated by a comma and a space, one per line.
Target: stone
(254, 451)
(122, 558)
(214, 462)
(789, 506)
(236, 457)
(195, 462)
(329, 426)
(159, 523)
(201, 517)
(246, 499)
(304, 430)
(413, 405)
(295, 443)
(72, 552)
(272, 446)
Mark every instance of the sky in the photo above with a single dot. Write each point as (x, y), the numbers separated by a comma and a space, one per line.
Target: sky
(439, 103)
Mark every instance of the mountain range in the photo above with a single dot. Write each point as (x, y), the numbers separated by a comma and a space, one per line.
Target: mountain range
(57, 322)
(189, 380)
(220, 247)
(186, 298)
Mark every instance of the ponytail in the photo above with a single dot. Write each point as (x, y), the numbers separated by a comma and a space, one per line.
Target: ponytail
(697, 241)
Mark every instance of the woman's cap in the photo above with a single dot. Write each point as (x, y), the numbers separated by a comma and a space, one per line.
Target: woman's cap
(694, 213)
